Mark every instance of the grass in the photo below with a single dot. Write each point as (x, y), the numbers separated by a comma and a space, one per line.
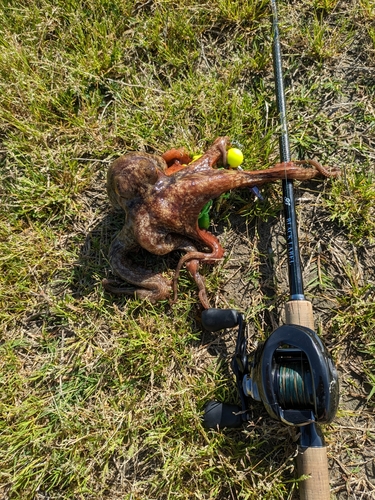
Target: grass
(102, 397)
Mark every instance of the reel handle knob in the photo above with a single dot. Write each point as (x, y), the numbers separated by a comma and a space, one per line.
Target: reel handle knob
(219, 319)
(220, 415)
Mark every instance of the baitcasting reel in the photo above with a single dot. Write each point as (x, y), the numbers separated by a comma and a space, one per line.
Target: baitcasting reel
(291, 373)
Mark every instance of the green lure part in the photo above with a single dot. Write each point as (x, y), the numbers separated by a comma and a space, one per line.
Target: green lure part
(204, 216)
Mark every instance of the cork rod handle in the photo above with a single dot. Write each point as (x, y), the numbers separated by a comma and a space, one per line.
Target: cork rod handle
(311, 462)
(299, 312)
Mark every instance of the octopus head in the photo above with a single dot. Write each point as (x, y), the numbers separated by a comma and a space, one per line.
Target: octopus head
(132, 177)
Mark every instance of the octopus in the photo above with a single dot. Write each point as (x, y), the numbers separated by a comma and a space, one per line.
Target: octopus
(162, 197)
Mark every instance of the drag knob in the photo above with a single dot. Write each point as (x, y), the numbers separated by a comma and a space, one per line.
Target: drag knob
(220, 415)
(219, 319)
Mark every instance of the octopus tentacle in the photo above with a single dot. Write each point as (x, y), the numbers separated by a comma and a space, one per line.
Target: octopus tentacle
(319, 167)
(180, 155)
(216, 254)
(193, 267)
(148, 284)
(200, 256)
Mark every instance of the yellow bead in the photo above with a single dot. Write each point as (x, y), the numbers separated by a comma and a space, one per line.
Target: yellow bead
(234, 157)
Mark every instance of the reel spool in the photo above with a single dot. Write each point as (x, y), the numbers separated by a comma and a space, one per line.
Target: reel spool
(291, 373)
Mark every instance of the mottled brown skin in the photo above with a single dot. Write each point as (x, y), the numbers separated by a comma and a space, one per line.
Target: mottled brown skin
(162, 201)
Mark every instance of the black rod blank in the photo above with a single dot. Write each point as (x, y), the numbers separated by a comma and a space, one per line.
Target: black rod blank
(294, 261)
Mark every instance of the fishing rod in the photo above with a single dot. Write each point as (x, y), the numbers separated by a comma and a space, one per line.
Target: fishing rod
(312, 454)
(292, 373)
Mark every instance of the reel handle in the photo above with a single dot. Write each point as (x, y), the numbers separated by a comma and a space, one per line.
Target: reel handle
(220, 415)
(311, 461)
(214, 320)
